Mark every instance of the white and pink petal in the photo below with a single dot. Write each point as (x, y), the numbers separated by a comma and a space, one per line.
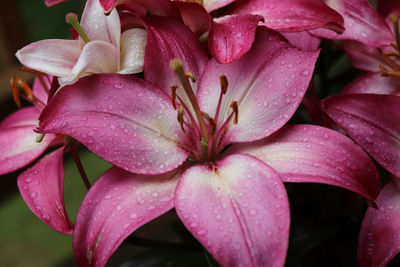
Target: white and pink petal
(41, 187)
(133, 44)
(18, 140)
(237, 209)
(121, 118)
(379, 239)
(99, 26)
(292, 15)
(361, 22)
(372, 121)
(54, 57)
(116, 205)
(231, 36)
(268, 84)
(308, 153)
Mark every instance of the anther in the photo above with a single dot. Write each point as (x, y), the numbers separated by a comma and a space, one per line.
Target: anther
(17, 82)
(22, 84)
(173, 95)
(389, 61)
(224, 83)
(235, 109)
(387, 72)
(39, 137)
(15, 92)
(180, 117)
(72, 19)
(190, 75)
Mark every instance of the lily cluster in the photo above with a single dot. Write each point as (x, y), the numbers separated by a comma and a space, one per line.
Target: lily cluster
(190, 101)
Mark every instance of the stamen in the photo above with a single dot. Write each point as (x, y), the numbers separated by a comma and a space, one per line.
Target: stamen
(235, 108)
(28, 92)
(173, 95)
(180, 117)
(389, 61)
(72, 19)
(15, 92)
(39, 137)
(224, 87)
(177, 66)
(387, 72)
(40, 75)
(190, 75)
(224, 83)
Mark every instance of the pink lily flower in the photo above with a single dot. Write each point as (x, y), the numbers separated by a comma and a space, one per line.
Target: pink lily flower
(231, 199)
(41, 186)
(362, 109)
(231, 34)
(102, 48)
(368, 111)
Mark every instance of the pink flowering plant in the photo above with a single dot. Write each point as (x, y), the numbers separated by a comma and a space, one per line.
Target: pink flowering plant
(197, 105)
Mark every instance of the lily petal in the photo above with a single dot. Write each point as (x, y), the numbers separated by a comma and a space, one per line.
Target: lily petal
(373, 83)
(96, 57)
(379, 240)
(98, 26)
(308, 153)
(155, 7)
(38, 91)
(303, 40)
(211, 5)
(292, 15)
(133, 43)
(268, 84)
(195, 16)
(122, 119)
(55, 57)
(117, 204)
(41, 187)
(238, 210)
(231, 36)
(18, 140)
(167, 39)
(363, 56)
(372, 121)
(361, 21)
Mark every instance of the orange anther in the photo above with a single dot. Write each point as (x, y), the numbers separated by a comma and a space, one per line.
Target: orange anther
(15, 92)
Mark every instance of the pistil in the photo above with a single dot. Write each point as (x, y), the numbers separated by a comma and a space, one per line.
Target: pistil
(72, 19)
(395, 20)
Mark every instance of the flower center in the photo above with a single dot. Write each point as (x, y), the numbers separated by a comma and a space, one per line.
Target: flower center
(18, 85)
(203, 132)
(392, 58)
